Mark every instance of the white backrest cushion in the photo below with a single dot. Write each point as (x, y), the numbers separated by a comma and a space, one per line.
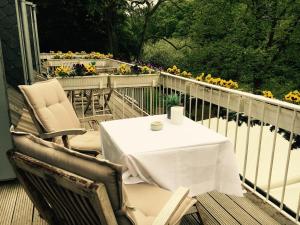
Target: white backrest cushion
(50, 105)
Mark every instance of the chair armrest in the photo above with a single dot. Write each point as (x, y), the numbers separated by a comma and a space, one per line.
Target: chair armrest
(171, 206)
(54, 134)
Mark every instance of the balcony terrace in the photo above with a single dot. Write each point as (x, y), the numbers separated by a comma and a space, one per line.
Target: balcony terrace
(268, 166)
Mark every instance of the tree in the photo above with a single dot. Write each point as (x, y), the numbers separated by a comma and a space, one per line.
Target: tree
(252, 41)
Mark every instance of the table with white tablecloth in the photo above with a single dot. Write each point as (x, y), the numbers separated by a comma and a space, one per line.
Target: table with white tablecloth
(188, 154)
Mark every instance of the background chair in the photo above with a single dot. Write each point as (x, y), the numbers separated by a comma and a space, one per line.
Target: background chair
(54, 116)
(71, 188)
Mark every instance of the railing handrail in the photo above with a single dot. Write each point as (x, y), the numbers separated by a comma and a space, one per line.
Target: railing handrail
(276, 102)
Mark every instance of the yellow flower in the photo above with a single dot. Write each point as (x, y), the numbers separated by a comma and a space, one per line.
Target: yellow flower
(145, 69)
(200, 77)
(293, 97)
(208, 78)
(62, 71)
(124, 69)
(267, 94)
(223, 83)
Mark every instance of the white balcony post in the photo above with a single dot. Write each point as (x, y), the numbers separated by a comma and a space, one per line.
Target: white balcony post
(247, 141)
(288, 159)
(259, 146)
(273, 151)
(218, 111)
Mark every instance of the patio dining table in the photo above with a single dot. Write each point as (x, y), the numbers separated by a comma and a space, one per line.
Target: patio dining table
(188, 155)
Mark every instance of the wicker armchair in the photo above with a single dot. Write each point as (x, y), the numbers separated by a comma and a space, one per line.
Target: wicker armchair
(54, 117)
(68, 187)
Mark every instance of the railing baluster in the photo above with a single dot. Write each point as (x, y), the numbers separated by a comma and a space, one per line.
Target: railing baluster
(196, 104)
(151, 100)
(209, 109)
(159, 99)
(247, 141)
(298, 210)
(203, 103)
(180, 92)
(218, 111)
(82, 104)
(172, 87)
(132, 97)
(184, 103)
(288, 159)
(142, 90)
(93, 102)
(190, 102)
(147, 100)
(123, 103)
(237, 124)
(259, 145)
(164, 97)
(103, 103)
(156, 99)
(273, 151)
(227, 114)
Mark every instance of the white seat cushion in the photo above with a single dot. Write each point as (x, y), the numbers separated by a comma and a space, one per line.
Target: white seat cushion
(89, 141)
(145, 201)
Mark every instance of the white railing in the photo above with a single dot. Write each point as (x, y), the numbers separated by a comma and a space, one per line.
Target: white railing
(268, 165)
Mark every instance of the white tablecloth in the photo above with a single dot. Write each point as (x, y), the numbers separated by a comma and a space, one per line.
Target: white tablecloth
(188, 155)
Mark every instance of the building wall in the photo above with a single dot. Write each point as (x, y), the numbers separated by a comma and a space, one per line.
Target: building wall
(6, 172)
(9, 35)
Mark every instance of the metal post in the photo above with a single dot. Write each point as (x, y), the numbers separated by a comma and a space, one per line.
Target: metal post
(21, 38)
(27, 41)
(37, 37)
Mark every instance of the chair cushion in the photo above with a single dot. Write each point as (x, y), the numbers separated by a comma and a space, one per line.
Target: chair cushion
(145, 201)
(50, 105)
(89, 141)
(83, 165)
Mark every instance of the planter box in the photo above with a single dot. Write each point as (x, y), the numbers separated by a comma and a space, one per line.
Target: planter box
(196, 90)
(48, 56)
(71, 62)
(141, 80)
(83, 83)
(285, 120)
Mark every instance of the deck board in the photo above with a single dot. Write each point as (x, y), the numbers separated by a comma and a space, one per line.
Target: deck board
(254, 211)
(23, 208)
(8, 196)
(215, 209)
(232, 208)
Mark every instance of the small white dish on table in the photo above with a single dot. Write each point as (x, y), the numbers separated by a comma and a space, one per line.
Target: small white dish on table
(156, 125)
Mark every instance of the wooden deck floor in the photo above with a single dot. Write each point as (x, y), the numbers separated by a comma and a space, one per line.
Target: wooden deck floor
(215, 209)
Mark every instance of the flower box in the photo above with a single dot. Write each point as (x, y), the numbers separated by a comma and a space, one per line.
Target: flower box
(84, 82)
(140, 80)
(71, 62)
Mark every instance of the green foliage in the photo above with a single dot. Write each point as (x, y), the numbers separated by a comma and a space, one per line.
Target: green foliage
(163, 54)
(256, 43)
(172, 100)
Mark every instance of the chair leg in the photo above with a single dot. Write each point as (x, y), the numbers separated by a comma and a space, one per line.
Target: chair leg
(65, 140)
(199, 218)
(198, 214)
